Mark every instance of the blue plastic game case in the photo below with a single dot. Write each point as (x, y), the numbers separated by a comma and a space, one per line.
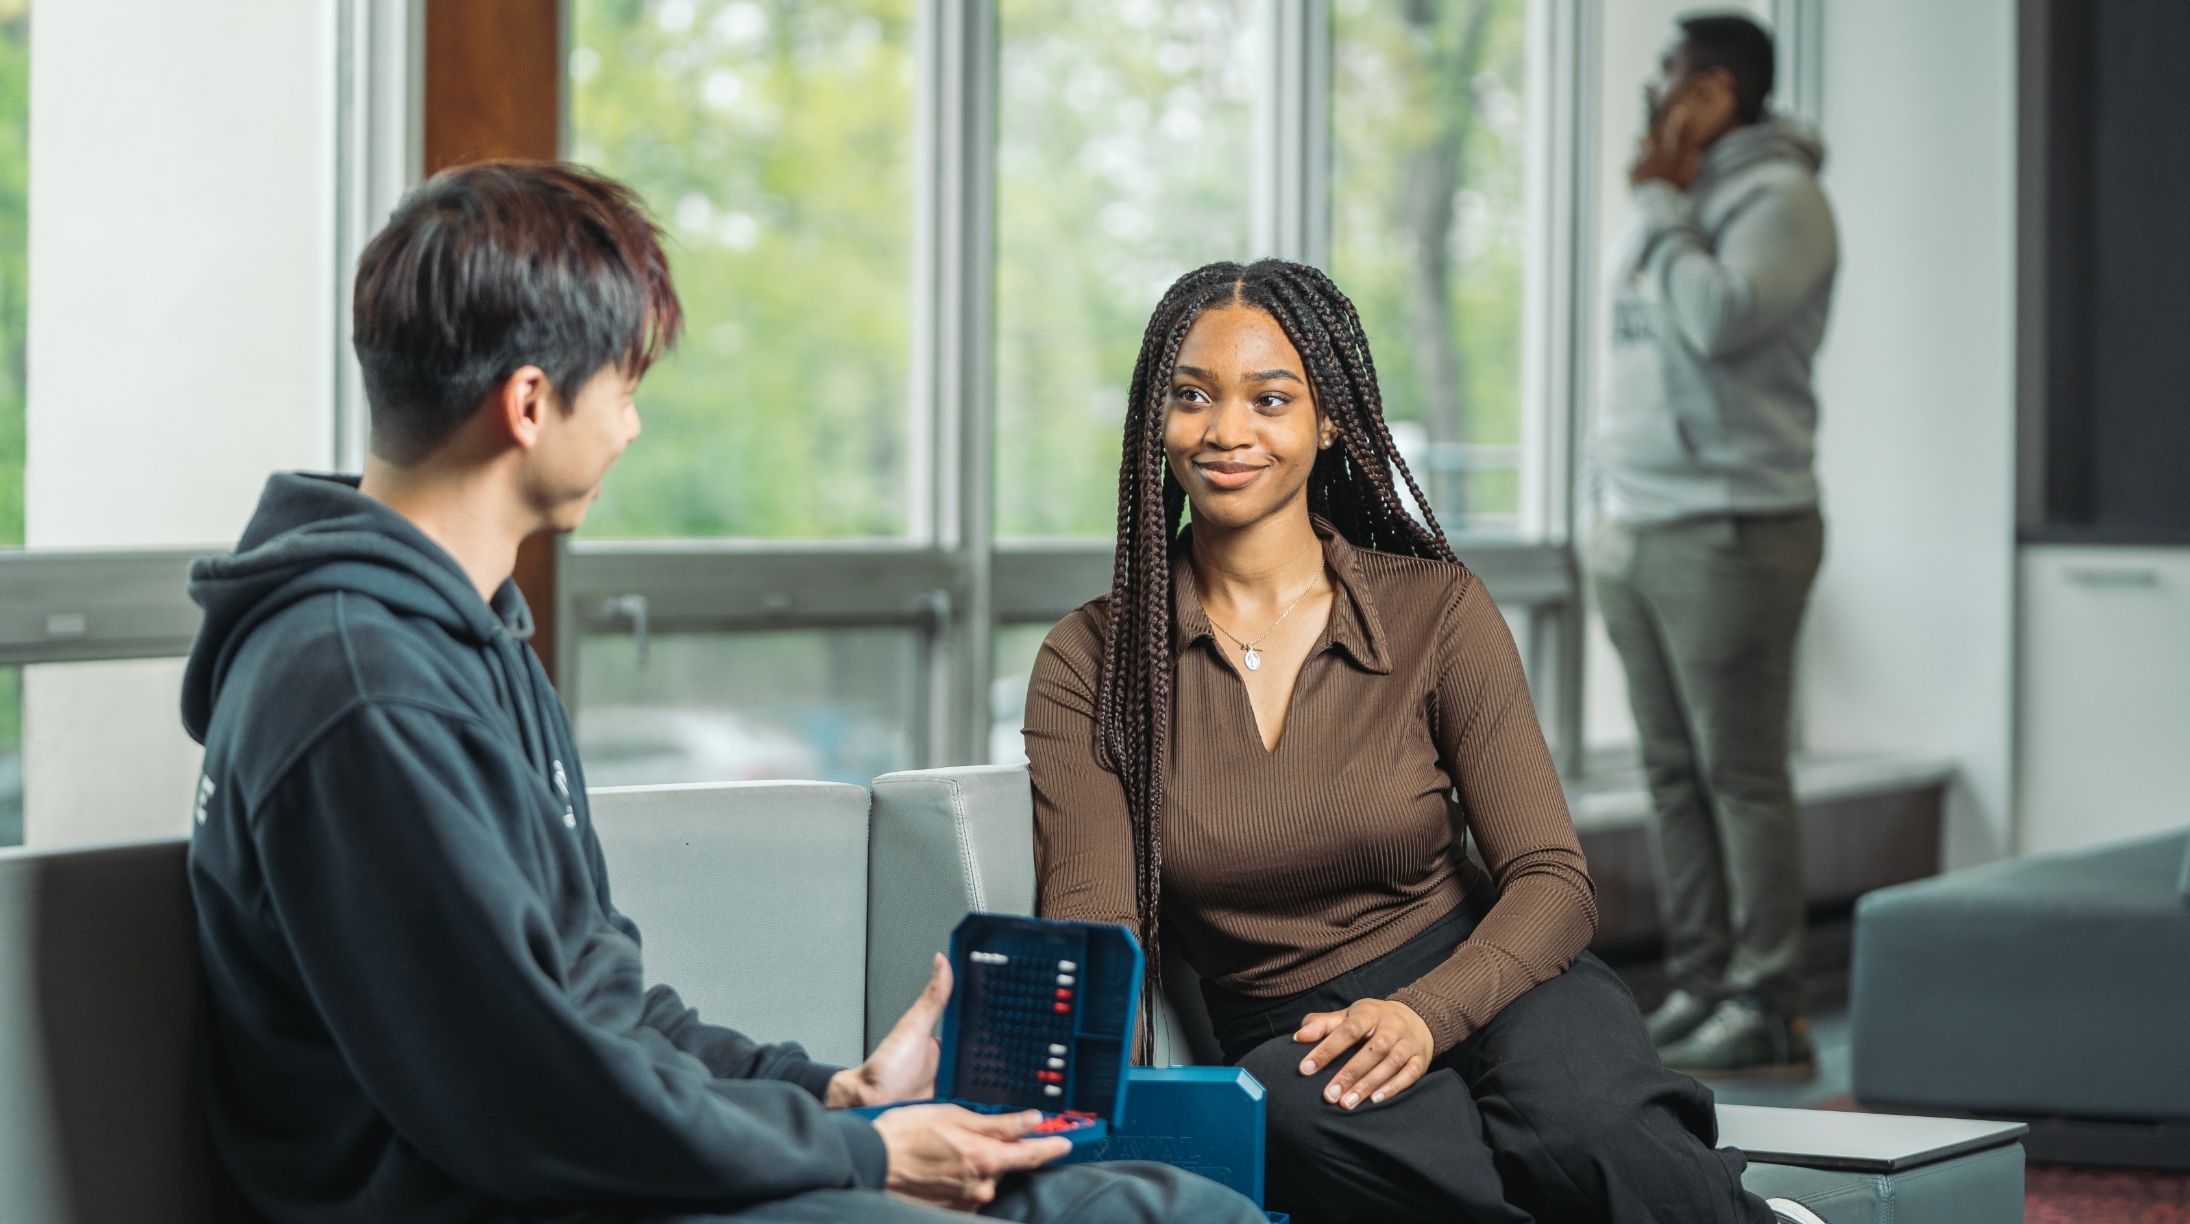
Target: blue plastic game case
(1041, 1016)
(1206, 1120)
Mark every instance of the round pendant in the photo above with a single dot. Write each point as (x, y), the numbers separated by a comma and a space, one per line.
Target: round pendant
(1253, 659)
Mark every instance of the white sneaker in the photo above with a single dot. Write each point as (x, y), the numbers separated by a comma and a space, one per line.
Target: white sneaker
(1793, 1212)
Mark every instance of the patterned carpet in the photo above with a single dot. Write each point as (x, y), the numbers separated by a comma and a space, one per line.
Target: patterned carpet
(2061, 1194)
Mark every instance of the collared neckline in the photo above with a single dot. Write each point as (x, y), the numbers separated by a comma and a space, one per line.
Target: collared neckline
(1354, 626)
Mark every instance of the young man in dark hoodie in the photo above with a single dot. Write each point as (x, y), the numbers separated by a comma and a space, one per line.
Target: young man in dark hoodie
(424, 1006)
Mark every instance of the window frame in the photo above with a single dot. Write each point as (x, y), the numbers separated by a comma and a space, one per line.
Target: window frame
(951, 581)
(61, 605)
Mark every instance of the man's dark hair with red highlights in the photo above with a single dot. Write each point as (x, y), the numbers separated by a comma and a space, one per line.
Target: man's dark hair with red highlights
(490, 267)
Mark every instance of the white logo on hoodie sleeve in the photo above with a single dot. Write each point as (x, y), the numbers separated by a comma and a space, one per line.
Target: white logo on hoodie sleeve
(562, 783)
(205, 796)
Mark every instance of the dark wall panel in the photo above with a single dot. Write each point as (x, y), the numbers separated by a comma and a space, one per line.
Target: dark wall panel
(2118, 235)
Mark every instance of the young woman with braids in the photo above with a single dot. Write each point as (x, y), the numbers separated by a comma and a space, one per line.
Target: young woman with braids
(1252, 745)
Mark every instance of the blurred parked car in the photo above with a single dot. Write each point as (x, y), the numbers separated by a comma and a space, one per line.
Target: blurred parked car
(640, 745)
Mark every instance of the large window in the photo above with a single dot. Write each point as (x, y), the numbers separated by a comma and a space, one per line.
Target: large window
(796, 703)
(11, 756)
(160, 377)
(1430, 136)
(1016, 647)
(14, 257)
(14, 313)
(1118, 139)
(775, 139)
(918, 245)
(917, 241)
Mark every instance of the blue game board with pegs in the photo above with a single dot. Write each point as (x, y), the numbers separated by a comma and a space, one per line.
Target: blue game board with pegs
(1041, 1017)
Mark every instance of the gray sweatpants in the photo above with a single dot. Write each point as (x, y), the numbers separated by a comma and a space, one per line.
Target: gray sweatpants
(1704, 614)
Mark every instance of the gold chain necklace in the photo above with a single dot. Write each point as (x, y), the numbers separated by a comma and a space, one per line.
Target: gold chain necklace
(1253, 657)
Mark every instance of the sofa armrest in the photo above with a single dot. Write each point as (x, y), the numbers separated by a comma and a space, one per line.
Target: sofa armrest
(102, 1112)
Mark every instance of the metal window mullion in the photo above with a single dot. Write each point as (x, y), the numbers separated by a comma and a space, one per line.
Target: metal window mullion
(955, 231)
(1292, 200)
(1564, 37)
(352, 127)
(1797, 28)
(380, 75)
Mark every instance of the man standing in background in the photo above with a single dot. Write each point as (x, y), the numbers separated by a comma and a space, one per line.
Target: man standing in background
(1709, 536)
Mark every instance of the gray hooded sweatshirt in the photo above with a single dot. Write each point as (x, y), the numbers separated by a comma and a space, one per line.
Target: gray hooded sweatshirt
(1719, 297)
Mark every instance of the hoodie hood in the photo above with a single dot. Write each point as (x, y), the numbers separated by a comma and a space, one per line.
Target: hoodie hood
(312, 534)
(1773, 138)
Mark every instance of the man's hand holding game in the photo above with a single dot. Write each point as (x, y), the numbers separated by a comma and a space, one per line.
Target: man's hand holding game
(939, 1154)
(902, 1068)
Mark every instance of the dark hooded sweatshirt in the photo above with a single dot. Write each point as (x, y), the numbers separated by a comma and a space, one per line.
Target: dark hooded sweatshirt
(424, 1006)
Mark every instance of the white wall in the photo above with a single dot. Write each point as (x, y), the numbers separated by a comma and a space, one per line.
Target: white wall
(1911, 642)
(182, 337)
(2104, 701)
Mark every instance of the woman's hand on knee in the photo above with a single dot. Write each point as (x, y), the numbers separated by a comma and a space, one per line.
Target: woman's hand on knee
(1394, 1043)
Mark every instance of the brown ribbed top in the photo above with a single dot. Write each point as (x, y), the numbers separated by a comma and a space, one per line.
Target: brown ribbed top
(1285, 868)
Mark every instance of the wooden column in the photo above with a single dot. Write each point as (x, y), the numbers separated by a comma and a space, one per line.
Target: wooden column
(494, 88)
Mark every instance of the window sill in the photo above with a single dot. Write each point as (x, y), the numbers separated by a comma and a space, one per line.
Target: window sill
(1611, 792)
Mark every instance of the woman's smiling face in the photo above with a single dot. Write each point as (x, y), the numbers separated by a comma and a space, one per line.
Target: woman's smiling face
(1241, 425)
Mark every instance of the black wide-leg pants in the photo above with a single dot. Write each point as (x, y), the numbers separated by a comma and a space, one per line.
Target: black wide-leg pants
(1557, 1111)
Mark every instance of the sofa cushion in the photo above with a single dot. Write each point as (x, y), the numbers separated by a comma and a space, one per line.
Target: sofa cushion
(752, 900)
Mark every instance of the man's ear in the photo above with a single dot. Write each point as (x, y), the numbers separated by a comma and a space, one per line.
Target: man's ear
(1717, 95)
(521, 403)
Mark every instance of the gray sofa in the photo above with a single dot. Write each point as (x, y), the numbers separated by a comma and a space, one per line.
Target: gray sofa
(751, 896)
(790, 910)
(2050, 988)
(99, 1113)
